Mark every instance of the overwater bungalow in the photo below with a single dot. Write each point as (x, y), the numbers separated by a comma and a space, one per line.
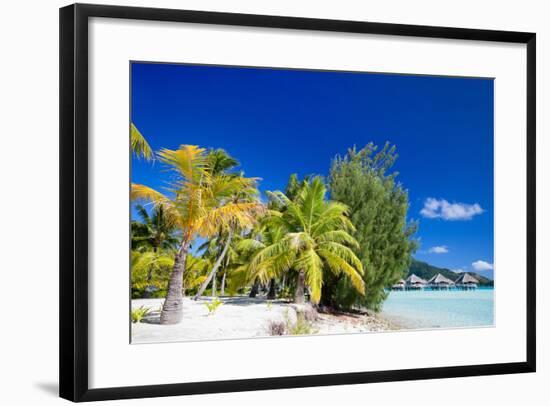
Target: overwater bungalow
(399, 285)
(466, 282)
(439, 282)
(414, 282)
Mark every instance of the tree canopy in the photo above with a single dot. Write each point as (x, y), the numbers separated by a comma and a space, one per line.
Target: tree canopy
(378, 207)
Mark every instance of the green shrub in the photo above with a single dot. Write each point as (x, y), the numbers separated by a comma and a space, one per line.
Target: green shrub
(139, 313)
(138, 292)
(213, 305)
(302, 326)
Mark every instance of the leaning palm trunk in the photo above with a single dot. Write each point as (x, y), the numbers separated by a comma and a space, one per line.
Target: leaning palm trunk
(215, 268)
(172, 309)
(224, 276)
(299, 296)
(222, 287)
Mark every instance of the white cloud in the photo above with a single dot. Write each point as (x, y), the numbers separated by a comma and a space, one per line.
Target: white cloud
(459, 270)
(441, 208)
(439, 249)
(482, 265)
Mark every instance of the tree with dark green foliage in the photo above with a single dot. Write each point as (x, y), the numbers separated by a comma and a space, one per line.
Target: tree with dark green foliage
(378, 207)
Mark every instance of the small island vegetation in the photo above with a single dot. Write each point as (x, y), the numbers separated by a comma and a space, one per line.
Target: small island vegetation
(332, 245)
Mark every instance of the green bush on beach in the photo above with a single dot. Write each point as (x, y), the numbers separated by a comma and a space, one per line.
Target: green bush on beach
(213, 305)
(139, 314)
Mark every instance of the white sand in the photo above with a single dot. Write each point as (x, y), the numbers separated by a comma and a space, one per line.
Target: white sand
(240, 317)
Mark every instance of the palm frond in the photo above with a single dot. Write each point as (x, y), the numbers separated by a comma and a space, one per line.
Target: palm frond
(311, 200)
(143, 214)
(220, 161)
(338, 265)
(142, 193)
(241, 215)
(333, 216)
(345, 253)
(339, 236)
(140, 146)
(189, 162)
(311, 264)
(250, 245)
(268, 253)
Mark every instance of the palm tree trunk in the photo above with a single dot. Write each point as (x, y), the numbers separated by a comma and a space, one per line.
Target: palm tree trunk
(214, 285)
(299, 296)
(172, 309)
(222, 288)
(254, 289)
(271, 294)
(215, 267)
(146, 291)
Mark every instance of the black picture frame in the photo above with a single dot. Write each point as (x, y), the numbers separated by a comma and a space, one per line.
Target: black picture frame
(73, 282)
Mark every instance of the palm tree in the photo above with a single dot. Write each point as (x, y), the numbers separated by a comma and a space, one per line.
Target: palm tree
(154, 230)
(196, 270)
(150, 268)
(267, 235)
(199, 205)
(140, 146)
(315, 237)
(211, 250)
(220, 161)
(245, 193)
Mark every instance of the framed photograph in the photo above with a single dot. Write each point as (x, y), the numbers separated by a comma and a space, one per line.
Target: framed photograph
(258, 202)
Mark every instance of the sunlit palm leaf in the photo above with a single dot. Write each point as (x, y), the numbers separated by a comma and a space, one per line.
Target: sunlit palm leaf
(189, 162)
(339, 236)
(311, 264)
(311, 200)
(334, 216)
(139, 144)
(241, 215)
(250, 245)
(142, 193)
(345, 253)
(337, 265)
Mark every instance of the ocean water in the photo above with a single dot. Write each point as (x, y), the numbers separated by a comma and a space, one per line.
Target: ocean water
(441, 308)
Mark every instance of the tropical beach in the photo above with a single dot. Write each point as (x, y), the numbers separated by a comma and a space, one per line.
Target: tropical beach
(245, 317)
(232, 238)
(241, 317)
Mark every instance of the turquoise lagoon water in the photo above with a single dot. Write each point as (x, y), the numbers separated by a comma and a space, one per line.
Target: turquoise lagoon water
(441, 308)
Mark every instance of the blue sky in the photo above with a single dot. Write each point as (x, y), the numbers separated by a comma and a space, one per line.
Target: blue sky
(277, 122)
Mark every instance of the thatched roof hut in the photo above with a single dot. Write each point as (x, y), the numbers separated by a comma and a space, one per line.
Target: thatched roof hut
(400, 285)
(414, 281)
(466, 278)
(440, 280)
(466, 281)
